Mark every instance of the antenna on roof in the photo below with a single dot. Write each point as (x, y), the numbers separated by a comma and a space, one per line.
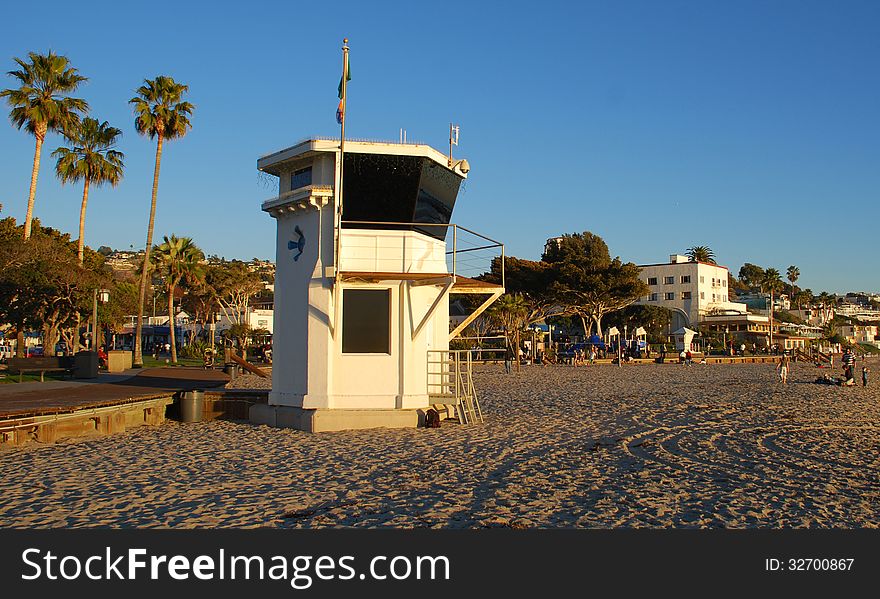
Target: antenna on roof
(453, 140)
(402, 135)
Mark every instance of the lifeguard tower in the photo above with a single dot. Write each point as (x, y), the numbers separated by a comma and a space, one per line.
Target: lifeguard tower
(363, 282)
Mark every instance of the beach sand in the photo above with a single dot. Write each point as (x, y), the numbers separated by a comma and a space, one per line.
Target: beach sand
(654, 446)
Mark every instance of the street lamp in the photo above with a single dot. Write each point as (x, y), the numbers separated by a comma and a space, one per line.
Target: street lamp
(103, 296)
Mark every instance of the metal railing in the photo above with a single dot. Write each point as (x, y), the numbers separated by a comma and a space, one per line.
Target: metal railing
(451, 382)
(471, 255)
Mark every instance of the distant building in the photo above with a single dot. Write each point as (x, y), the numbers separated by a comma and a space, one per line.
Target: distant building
(693, 291)
(855, 333)
(814, 315)
(759, 301)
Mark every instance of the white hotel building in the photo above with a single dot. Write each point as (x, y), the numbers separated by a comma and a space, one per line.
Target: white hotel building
(691, 290)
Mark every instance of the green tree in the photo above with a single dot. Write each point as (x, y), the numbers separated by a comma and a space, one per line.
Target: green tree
(160, 113)
(751, 276)
(530, 280)
(234, 286)
(42, 285)
(793, 274)
(826, 303)
(41, 104)
(177, 260)
(90, 159)
(510, 312)
(803, 297)
(701, 253)
(588, 282)
(771, 282)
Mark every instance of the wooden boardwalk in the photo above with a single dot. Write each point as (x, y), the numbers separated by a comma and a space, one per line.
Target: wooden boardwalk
(75, 410)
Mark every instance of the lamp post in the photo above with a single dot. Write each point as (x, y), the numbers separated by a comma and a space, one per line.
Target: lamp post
(103, 296)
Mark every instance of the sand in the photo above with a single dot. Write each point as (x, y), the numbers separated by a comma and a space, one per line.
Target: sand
(594, 446)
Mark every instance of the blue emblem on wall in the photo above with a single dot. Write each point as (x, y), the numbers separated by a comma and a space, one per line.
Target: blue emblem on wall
(299, 244)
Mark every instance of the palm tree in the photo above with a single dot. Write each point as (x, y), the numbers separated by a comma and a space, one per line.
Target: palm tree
(177, 260)
(91, 160)
(771, 282)
(827, 302)
(41, 105)
(159, 113)
(793, 273)
(804, 296)
(701, 253)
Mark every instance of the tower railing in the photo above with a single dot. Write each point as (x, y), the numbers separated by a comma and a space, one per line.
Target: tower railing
(471, 255)
(451, 382)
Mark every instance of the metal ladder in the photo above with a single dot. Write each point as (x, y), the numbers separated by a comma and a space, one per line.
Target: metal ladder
(451, 382)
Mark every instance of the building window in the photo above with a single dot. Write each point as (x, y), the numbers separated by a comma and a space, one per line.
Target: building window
(685, 295)
(366, 321)
(723, 283)
(653, 297)
(702, 279)
(652, 280)
(686, 279)
(668, 280)
(301, 178)
(670, 296)
(702, 295)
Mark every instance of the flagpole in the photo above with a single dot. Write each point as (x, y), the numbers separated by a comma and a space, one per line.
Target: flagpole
(339, 198)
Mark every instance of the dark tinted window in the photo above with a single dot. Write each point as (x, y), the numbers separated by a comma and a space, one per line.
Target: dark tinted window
(366, 321)
(301, 178)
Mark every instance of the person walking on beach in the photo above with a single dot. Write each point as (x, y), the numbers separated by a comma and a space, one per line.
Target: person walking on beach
(782, 369)
(864, 376)
(508, 358)
(849, 363)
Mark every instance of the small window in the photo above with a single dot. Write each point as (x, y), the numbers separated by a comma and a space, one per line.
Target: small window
(668, 280)
(670, 296)
(366, 321)
(702, 279)
(685, 295)
(653, 297)
(301, 178)
(652, 280)
(686, 279)
(703, 295)
(723, 283)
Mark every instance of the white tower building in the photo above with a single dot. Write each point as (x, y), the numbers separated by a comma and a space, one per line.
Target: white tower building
(362, 293)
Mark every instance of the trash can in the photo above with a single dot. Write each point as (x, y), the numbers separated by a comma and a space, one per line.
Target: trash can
(192, 406)
(85, 365)
(232, 370)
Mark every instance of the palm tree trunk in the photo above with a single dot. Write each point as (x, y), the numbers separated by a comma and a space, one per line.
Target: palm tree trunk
(171, 324)
(40, 135)
(142, 292)
(82, 222)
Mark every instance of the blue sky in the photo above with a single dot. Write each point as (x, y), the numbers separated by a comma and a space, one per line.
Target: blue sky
(750, 127)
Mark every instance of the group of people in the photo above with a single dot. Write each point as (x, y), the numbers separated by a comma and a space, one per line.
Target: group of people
(849, 372)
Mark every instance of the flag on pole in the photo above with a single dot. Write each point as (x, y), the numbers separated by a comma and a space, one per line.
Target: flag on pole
(340, 110)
